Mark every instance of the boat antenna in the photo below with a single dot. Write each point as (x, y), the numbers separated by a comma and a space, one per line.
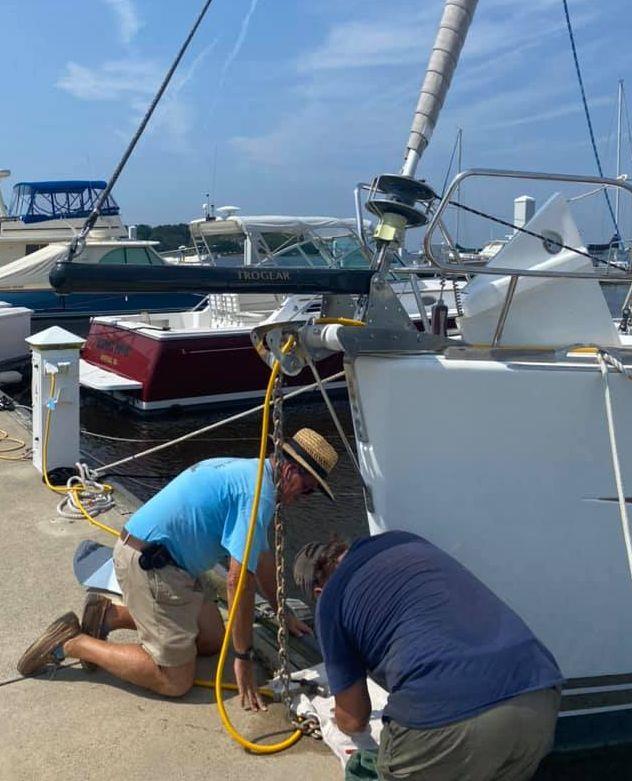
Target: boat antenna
(394, 197)
(78, 242)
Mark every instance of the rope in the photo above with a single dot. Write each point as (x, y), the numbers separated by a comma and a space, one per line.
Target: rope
(108, 467)
(148, 439)
(605, 358)
(78, 495)
(587, 113)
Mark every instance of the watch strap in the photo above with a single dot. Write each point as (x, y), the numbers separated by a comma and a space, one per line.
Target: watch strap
(245, 656)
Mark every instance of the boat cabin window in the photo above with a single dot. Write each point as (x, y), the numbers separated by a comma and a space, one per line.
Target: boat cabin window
(226, 250)
(33, 248)
(288, 249)
(131, 256)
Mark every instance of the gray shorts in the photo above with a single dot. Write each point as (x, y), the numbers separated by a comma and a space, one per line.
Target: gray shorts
(165, 605)
(504, 743)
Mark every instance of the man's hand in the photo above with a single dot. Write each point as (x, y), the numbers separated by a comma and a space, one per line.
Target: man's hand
(295, 626)
(249, 696)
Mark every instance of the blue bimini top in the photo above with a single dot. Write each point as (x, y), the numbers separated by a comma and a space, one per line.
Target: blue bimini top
(427, 630)
(203, 514)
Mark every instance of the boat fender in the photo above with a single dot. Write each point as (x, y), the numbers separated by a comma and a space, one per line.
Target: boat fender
(10, 378)
(439, 319)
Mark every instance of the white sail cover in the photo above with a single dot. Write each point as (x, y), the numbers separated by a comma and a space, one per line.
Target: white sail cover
(31, 272)
(545, 311)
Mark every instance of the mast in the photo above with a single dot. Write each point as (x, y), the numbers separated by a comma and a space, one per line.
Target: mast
(455, 22)
(618, 189)
(459, 168)
(394, 197)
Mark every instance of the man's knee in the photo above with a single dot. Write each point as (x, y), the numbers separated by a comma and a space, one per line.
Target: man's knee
(209, 646)
(177, 681)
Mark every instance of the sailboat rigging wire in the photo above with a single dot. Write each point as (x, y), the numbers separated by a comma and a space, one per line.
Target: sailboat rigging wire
(587, 113)
(507, 224)
(627, 119)
(448, 172)
(94, 215)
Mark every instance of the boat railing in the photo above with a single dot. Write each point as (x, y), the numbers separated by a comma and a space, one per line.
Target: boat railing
(452, 269)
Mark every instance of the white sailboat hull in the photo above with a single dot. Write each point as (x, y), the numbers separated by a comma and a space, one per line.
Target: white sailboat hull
(517, 483)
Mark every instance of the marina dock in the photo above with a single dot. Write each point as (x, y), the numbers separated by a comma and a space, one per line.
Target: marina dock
(76, 725)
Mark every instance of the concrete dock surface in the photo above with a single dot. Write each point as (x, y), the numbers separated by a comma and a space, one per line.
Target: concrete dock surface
(75, 725)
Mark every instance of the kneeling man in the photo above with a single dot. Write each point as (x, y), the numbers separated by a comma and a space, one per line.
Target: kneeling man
(473, 694)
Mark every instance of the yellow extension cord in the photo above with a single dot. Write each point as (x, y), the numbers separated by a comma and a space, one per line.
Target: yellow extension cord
(257, 748)
(13, 445)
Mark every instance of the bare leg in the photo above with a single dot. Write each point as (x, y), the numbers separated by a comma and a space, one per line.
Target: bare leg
(211, 626)
(132, 663)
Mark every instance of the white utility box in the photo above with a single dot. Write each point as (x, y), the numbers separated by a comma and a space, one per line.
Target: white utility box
(55, 398)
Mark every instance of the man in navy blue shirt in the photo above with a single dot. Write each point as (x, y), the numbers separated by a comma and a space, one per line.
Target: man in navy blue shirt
(473, 694)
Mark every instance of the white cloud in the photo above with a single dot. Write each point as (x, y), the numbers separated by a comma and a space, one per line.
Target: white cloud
(127, 17)
(361, 44)
(561, 110)
(133, 82)
(359, 83)
(112, 80)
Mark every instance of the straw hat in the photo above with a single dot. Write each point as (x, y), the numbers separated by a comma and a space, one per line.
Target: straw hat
(312, 451)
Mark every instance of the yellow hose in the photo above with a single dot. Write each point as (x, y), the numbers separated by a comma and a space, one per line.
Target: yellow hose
(13, 445)
(256, 748)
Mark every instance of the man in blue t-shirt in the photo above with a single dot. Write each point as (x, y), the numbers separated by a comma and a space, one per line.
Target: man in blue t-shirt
(473, 694)
(160, 558)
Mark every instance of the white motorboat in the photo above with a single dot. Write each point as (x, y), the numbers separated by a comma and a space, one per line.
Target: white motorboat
(42, 213)
(155, 362)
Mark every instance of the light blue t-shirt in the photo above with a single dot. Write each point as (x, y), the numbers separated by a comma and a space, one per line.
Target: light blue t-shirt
(203, 514)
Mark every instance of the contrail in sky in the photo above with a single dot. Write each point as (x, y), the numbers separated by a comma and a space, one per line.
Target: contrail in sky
(238, 43)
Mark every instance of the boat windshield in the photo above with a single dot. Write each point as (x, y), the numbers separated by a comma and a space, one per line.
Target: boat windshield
(310, 250)
(66, 200)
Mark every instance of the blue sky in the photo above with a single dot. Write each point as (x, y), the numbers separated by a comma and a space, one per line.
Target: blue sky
(283, 105)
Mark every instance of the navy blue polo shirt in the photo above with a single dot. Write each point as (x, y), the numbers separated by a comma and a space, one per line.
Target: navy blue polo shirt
(427, 630)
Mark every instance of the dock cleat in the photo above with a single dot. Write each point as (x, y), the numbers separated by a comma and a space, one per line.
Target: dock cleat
(45, 650)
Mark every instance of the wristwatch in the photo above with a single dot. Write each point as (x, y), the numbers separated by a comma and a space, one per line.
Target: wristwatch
(246, 656)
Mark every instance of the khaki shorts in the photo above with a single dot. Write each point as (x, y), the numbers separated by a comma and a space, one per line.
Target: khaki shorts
(165, 605)
(505, 742)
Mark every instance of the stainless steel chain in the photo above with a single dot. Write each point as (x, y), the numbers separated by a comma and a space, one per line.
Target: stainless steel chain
(283, 673)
